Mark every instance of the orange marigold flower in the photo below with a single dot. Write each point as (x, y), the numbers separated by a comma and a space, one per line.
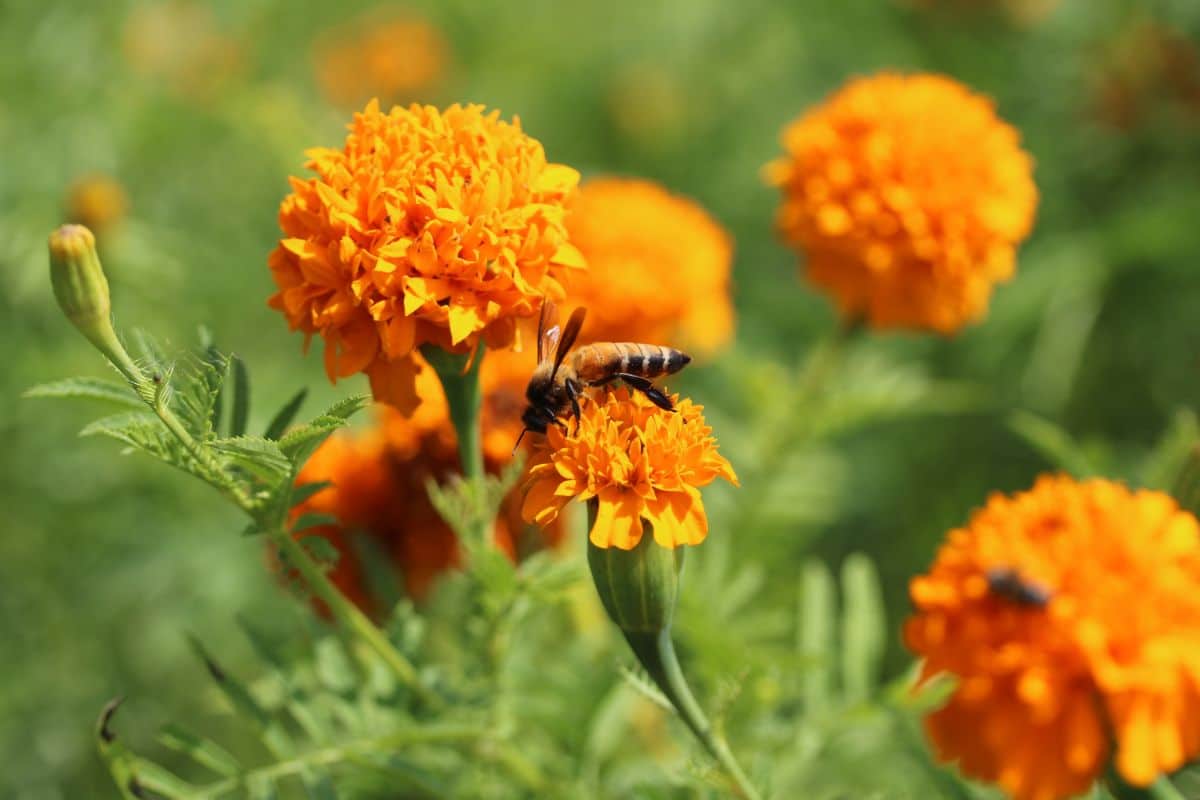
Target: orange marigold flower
(379, 478)
(638, 462)
(428, 226)
(97, 201)
(658, 266)
(908, 197)
(379, 56)
(1068, 613)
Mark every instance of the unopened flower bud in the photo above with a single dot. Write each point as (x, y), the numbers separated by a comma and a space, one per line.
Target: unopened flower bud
(82, 293)
(638, 587)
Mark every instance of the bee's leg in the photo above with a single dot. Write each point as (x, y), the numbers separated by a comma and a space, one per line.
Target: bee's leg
(573, 390)
(644, 386)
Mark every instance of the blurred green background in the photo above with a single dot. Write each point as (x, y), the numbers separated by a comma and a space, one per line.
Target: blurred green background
(199, 112)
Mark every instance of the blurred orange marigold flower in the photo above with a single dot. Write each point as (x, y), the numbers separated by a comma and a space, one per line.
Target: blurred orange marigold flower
(379, 56)
(97, 201)
(658, 266)
(379, 478)
(427, 227)
(1069, 614)
(908, 197)
(638, 461)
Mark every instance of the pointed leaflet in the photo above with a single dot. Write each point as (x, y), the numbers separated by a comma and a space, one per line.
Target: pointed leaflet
(864, 629)
(815, 639)
(284, 416)
(260, 457)
(93, 388)
(204, 752)
(240, 411)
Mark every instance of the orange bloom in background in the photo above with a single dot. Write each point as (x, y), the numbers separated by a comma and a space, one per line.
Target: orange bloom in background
(658, 266)
(907, 196)
(179, 45)
(392, 58)
(639, 462)
(379, 479)
(97, 201)
(1069, 614)
(427, 227)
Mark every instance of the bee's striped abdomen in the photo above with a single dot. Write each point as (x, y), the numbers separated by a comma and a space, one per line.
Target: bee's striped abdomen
(650, 360)
(602, 361)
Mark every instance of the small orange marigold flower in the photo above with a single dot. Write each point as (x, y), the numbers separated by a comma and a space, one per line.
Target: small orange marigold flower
(639, 462)
(379, 56)
(1066, 612)
(908, 197)
(658, 266)
(97, 201)
(427, 227)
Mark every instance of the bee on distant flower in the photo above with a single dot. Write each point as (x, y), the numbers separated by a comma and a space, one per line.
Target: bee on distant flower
(559, 380)
(1008, 583)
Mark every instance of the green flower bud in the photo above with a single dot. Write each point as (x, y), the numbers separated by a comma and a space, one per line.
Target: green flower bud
(82, 293)
(638, 587)
(78, 279)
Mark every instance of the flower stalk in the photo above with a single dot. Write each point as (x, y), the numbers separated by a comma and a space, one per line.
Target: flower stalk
(639, 588)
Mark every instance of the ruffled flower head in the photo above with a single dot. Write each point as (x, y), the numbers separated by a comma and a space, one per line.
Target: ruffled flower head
(426, 227)
(637, 461)
(658, 266)
(907, 196)
(1069, 615)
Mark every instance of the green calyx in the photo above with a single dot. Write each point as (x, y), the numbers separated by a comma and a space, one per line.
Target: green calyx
(638, 587)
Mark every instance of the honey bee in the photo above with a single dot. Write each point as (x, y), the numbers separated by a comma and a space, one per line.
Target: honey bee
(561, 375)
(1008, 583)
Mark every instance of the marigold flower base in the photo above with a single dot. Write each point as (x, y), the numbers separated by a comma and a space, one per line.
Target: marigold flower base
(907, 196)
(1065, 612)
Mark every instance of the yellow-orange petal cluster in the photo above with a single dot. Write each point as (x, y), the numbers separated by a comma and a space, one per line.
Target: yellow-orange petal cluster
(908, 197)
(639, 462)
(426, 227)
(1069, 614)
(97, 201)
(658, 266)
(379, 55)
(379, 478)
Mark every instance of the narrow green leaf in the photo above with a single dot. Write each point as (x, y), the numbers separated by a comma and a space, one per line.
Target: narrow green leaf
(162, 781)
(304, 491)
(214, 362)
(93, 388)
(864, 628)
(272, 733)
(1052, 442)
(321, 548)
(241, 398)
(815, 639)
(260, 787)
(284, 416)
(313, 520)
(204, 752)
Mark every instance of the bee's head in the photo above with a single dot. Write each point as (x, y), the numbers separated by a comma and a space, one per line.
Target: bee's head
(536, 418)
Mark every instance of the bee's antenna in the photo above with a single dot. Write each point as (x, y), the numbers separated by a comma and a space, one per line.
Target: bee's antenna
(519, 438)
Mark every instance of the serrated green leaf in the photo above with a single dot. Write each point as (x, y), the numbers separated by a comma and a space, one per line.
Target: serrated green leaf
(240, 412)
(815, 640)
(321, 548)
(347, 407)
(313, 520)
(864, 628)
(92, 388)
(299, 443)
(260, 457)
(119, 426)
(284, 416)
(204, 752)
(1052, 442)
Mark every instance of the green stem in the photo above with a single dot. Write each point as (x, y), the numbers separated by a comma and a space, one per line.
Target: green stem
(1161, 789)
(348, 615)
(656, 653)
(460, 381)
